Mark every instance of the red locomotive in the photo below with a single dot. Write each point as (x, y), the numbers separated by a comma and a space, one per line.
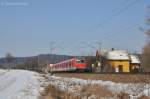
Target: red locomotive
(73, 64)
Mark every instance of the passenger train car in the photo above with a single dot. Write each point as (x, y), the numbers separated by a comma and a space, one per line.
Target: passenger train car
(73, 64)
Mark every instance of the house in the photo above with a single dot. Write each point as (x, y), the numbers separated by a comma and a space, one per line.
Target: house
(134, 63)
(118, 60)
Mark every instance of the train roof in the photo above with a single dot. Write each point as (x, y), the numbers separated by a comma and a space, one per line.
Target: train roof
(65, 61)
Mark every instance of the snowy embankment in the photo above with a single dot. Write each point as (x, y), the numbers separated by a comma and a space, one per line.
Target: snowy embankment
(74, 85)
(19, 84)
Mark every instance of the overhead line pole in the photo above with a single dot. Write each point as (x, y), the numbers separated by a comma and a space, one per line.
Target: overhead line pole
(99, 46)
(53, 47)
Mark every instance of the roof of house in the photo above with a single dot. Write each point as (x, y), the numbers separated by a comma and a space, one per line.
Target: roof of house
(135, 59)
(117, 55)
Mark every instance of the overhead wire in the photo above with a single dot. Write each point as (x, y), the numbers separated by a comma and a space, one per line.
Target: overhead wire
(117, 13)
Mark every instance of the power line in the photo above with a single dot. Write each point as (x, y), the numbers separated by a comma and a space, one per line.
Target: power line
(121, 11)
(53, 46)
(89, 45)
(99, 46)
(111, 18)
(126, 29)
(118, 13)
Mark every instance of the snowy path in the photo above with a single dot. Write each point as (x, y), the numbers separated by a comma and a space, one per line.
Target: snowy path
(19, 84)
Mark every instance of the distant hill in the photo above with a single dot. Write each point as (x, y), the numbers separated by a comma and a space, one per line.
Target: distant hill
(53, 58)
(47, 58)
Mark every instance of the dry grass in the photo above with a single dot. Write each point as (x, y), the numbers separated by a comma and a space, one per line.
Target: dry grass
(143, 97)
(93, 91)
(51, 92)
(123, 78)
(87, 92)
(97, 91)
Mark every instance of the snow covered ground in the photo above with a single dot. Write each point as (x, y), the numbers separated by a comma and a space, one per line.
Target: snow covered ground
(19, 84)
(74, 85)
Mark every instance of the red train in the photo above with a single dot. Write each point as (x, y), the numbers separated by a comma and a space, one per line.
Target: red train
(73, 64)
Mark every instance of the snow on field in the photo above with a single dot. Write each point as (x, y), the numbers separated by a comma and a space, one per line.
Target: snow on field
(19, 84)
(74, 85)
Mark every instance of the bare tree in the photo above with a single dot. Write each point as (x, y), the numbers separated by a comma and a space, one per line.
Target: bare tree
(9, 59)
(146, 57)
(89, 61)
(31, 64)
(146, 51)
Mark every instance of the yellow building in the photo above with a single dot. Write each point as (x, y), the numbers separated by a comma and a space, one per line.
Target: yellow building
(119, 60)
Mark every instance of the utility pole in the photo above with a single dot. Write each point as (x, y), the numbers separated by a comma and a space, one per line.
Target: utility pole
(53, 47)
(90, 46)
(39, 66)
(97, 65)
(99, 46)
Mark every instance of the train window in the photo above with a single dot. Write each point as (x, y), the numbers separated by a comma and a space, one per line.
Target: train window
(68, 64)
(60, 66)
(55, 66)
(71, 63)
(80, 61)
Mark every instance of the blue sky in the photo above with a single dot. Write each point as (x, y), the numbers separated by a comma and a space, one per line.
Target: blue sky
(28, 26)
